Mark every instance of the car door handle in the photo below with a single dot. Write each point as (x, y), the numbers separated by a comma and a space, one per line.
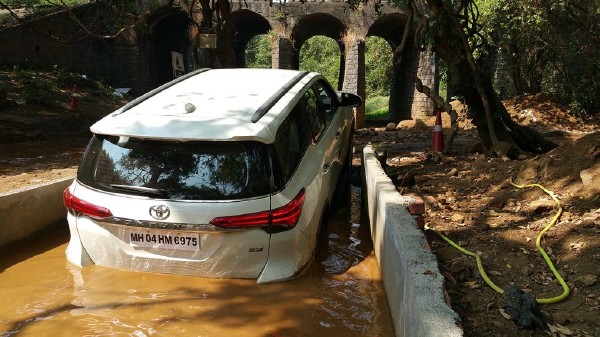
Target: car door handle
(326, 167)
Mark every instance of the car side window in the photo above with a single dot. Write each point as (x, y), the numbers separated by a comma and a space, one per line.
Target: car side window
(327, 98)
(292, 139)
(314, 113)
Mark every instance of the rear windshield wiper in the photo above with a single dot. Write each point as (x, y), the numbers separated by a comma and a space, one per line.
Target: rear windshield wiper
(145, 190)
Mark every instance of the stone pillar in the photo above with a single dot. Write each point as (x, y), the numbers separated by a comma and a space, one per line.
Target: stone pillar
(282, 53)
(399, 107)
(402, 86)
(354, 79)
(422, 105)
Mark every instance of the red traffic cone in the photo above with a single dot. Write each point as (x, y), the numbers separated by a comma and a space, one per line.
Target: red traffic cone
(437, 141)
(74, 98)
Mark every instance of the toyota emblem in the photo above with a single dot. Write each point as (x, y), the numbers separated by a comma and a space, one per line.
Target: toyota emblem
(160, 212)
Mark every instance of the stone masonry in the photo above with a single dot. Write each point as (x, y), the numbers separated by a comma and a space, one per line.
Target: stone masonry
(141, 57)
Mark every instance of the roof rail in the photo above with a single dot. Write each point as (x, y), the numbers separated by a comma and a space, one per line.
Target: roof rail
(265, 107)
(159, 89)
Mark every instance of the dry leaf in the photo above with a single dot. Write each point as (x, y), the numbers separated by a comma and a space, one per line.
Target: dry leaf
(472, 284)
(504, 314)
(560, 330)
(577, 245)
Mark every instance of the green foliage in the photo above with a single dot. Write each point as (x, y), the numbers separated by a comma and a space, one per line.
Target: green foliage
(321, 54)
(378, 63)
(377, 107)
(37, 89)
(258, 52)
(552, 46)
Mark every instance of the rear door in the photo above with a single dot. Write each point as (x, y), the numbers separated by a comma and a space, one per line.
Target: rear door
(162, 191)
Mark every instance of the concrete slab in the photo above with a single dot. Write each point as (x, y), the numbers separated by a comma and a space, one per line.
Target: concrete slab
(31, 209)
(414, 285)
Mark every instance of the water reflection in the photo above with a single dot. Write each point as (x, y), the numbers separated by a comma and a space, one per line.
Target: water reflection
(340, 295)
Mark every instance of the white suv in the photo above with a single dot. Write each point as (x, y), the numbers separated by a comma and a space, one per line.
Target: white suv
(220, 173)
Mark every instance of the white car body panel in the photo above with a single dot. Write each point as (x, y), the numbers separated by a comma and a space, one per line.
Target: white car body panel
(222, 112)
(221, 109)
(108, 244)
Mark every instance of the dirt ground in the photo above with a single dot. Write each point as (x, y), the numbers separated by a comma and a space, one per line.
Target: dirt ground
(468, 197)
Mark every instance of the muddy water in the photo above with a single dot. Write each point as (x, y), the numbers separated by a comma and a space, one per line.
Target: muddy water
(339, 295)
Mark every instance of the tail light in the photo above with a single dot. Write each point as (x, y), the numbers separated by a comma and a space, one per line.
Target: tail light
(73, 203)
(286, 216)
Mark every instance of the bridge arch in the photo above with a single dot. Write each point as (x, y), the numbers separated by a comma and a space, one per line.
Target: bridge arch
(168, 31)
(241, 26)
(390, 27)
(314, 25)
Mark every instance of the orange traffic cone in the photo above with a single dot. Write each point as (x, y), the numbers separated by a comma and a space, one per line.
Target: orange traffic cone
(74, 98)
(437, 141)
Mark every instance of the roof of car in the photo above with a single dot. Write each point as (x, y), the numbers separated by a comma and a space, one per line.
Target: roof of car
(219, 104)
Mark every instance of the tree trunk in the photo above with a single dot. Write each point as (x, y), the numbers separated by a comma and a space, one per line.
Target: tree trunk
(498, 132)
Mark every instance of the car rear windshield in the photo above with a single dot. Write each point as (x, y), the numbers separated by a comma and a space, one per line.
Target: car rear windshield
(176, 170)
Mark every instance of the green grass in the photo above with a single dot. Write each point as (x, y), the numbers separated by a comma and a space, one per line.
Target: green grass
(377, 107)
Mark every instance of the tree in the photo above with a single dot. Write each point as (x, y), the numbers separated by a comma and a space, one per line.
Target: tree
(321, 54)
(123, 15)
(258, 52)
(378, 57)
(451, 28)
(552, 46)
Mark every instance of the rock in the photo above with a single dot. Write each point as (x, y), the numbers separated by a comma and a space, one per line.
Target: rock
(390, 127)
(586, 280)
(459, 218)
(406, 124)
(453, 172)
(541, 206)
(587, 178)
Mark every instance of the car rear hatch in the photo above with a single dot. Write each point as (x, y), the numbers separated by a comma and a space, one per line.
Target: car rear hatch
(199, 208)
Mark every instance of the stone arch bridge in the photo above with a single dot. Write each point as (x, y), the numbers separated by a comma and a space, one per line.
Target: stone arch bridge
(142, 59)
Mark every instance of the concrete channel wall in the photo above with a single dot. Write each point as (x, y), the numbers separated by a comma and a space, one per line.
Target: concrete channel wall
(31, 209)
(411, 277)
(412, 280)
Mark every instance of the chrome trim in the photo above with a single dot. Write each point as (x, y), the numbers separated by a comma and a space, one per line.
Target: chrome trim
(133, 196)
(159, 212)
(119, 221)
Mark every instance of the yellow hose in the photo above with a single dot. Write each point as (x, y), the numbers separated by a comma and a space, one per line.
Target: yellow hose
(566, 290)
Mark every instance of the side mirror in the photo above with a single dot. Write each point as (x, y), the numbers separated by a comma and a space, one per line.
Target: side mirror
(348, 99)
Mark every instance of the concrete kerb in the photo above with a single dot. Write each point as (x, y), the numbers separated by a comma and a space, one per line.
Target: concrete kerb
(32, 209)
(414, 285)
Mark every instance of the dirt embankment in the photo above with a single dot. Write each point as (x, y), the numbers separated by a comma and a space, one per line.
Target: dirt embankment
(470, 199)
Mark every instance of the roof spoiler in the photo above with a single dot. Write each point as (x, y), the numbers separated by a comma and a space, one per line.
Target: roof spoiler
(265, 107)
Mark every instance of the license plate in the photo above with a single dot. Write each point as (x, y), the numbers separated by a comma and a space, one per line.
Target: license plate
(164, 239)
